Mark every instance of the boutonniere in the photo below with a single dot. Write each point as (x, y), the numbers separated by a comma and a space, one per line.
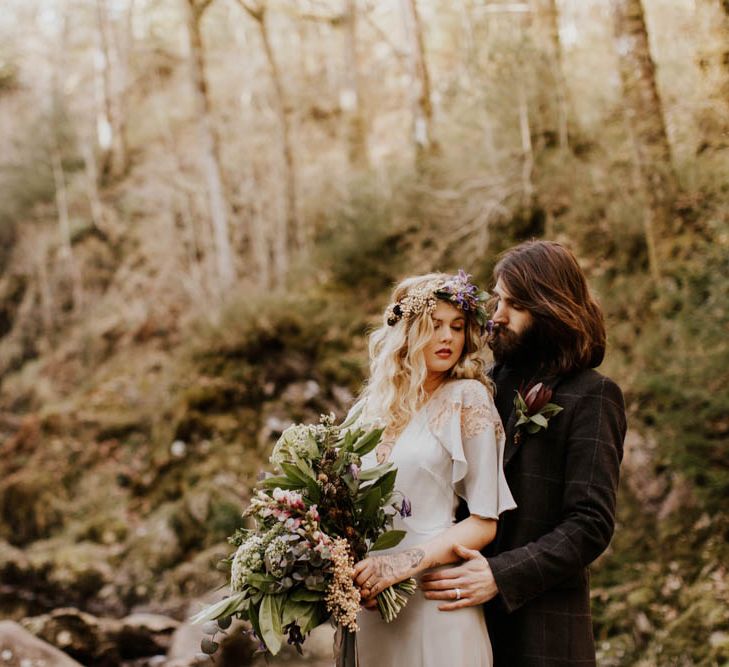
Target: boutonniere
(533, 409)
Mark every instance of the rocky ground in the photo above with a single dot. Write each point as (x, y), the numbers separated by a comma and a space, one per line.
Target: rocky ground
(68, 637)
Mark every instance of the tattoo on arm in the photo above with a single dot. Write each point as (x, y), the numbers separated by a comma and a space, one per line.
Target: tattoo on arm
(398, 564)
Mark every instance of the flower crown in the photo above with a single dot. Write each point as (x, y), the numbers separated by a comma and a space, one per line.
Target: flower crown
(456, 290)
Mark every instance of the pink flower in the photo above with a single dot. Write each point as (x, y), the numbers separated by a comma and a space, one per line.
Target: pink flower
(537, 397)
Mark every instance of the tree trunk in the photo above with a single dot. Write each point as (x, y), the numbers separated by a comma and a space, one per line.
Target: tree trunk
(115, 146)
(45, 297)
(209, 151)
(92, 182)
(527, 150)
(350, 97)
(712, 17)
(423, 137)
(291, 226)
(644, 116)
(548, 20)
(64, 228)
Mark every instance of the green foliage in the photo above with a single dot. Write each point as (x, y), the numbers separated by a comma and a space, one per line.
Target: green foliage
(683, 391)
(362, 247)
(280, 338)
(654, 601)
(30, 506)
(28, 180)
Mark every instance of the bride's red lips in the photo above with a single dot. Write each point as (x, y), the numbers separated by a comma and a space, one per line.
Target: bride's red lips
(443, 350)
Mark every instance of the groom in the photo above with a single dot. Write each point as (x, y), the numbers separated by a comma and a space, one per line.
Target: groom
(533, 578)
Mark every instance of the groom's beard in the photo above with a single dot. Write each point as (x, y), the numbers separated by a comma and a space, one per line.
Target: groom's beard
(517, 349)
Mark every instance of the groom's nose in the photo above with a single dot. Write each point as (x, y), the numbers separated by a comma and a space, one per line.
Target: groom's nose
(500, 314)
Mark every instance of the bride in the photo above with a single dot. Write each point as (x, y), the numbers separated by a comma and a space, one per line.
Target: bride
(428, 386)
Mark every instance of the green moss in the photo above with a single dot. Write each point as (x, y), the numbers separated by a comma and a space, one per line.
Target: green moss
(30, 506)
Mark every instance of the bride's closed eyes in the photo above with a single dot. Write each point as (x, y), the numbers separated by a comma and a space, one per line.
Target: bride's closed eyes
(457, 325)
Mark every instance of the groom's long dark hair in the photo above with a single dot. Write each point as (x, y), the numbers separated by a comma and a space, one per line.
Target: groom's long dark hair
(544, 278)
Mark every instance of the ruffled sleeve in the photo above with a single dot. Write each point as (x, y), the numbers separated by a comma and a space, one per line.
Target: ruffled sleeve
(467, 425)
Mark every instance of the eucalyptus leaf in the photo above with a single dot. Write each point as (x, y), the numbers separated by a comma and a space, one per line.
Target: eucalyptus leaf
(313, 490)
(269, 619)
(371, 503)
(367, 442)
(293, 610)
(352, 483)
(294, 474)
(210, 628)
(312, 446)
(388, 540)
(386, 483)
(312, 617)
(353, 416)
(253, 617)
(225, 607)
(304, 467)
(208, 646)
(348, 441)
(375, 472)
(259, 579)
(305, 595)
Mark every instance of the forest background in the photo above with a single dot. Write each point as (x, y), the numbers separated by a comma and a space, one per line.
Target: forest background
(205, 203)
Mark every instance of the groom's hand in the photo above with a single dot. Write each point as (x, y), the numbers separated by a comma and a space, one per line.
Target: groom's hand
(472, 579)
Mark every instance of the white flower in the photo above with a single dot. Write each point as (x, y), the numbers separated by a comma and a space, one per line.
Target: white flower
(299, 440)
(248, 559)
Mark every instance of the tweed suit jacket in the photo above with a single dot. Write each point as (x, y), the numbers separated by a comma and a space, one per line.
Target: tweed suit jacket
(564, 479)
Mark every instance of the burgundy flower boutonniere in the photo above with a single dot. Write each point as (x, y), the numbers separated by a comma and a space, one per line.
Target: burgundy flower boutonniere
(533, 409)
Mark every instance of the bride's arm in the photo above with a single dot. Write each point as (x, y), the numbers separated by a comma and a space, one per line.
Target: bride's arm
(376, 573)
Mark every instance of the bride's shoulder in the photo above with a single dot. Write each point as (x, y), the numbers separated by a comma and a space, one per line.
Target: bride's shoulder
(471, 403)
(469, 392)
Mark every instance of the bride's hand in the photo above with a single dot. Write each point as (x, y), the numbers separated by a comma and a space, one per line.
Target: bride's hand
(374, 574)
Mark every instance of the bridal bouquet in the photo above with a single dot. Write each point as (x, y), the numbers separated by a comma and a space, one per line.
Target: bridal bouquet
(314, 519)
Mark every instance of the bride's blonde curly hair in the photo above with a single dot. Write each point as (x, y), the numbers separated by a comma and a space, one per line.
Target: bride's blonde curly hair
(395, 389)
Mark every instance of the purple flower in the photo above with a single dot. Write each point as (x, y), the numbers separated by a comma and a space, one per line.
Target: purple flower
(406, 509)
(490, 327)
(294, 635)
(354, 470)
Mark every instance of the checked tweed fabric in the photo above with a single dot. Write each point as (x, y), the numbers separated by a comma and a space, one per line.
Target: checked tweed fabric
(564, 480)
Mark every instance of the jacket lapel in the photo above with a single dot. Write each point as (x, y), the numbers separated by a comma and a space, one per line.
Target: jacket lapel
(510, 432)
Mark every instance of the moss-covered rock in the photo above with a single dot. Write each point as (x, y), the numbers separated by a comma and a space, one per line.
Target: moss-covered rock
(31, 505)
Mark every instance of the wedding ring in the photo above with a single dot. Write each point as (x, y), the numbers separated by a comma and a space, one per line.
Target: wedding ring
(458, 593)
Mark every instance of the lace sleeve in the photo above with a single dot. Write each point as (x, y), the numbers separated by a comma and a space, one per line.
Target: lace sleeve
(466, 423)
(478, 412)
(476, 408)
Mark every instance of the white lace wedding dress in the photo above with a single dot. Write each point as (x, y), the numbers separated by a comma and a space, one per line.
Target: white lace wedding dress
(453, 447)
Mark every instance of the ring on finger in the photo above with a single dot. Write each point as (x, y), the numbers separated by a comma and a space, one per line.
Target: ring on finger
(458, 593)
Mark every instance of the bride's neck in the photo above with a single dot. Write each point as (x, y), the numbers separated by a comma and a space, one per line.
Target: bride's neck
(433, 381)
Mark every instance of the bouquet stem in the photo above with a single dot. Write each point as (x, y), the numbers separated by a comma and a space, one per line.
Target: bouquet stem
(394, 598)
